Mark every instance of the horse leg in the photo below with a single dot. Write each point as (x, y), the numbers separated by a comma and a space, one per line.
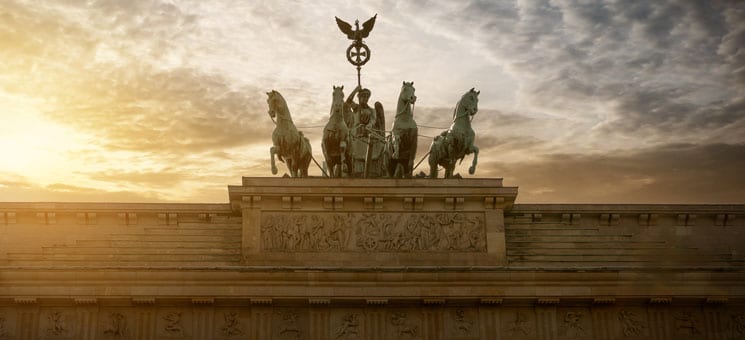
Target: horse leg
(304, 171)
(272, 151)
(342, 158)
(399, 170)
(291, 166)
(410, 167)
(432, 160)
(475, 150)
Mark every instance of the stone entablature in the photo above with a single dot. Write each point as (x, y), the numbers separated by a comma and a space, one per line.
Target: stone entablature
(371, 259)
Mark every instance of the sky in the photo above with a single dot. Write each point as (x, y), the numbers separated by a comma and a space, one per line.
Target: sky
(165, 101)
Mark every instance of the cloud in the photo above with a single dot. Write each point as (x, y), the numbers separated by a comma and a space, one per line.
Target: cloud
(676, 173)
(672, 67)
(127, 103)
(180, 111)
(20, 189)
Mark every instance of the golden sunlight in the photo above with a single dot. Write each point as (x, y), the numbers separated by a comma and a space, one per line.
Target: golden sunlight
(35, 147)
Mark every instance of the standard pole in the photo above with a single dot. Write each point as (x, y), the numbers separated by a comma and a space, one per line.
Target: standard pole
(359, 84)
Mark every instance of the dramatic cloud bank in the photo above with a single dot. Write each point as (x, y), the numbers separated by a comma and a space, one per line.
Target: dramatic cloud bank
(591, 101)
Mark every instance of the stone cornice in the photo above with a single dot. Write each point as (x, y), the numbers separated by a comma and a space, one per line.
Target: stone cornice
(468, 189)
(114, 207)
(628, 208)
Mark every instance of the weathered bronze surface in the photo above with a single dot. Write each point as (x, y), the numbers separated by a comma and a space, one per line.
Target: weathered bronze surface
(457, 142)
(289, 144)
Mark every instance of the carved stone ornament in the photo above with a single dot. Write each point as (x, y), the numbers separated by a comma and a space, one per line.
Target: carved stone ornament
(232, 326)
(380, 232)
(349, 327)
(57, 324)
(462, 323)
(519, 325)
(117, 325)
(631, 325)
(573, 323)
(402, 326)
(686, 323)
(289, 327)
(173, 325)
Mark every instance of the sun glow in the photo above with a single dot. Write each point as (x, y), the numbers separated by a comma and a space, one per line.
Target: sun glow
(34, 147)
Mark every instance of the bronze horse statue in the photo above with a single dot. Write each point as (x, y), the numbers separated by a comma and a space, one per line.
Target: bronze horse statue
(289, 144)
(335, 140)
(401, 144)
(457, 142)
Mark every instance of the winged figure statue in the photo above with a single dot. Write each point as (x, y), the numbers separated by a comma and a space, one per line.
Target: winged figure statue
(356, 34)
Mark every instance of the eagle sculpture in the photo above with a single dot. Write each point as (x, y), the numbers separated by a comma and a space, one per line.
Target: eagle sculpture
(356, 34)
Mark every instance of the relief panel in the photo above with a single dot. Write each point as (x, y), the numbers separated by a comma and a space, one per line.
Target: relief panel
(631, 323)
(688, 323)
(379, 232)
(348, 324)
(115, 323)
(574, 323)
(231, 324)
(518, 323)
(461, 323)
(58, 323)
(404, 324)
(290, 324)
(172, 323)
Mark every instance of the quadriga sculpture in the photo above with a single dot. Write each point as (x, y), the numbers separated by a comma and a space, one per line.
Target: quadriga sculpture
(289, 144)
(457, 142)
(401, 145)
(335, 140)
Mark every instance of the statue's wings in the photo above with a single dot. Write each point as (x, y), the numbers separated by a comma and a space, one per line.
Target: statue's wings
(346, 28)
(367, 26)
(379, 116)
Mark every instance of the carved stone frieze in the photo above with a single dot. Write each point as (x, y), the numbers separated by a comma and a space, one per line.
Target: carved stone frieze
(288, 324)
(348, 327)
(575, 323)
(380, 232)
(632, 324)
(173, 326)
(57, 323)
(518, 324)
(687, 323)
(117, 325)
(402, 326)
(231, 325)
(462, 322)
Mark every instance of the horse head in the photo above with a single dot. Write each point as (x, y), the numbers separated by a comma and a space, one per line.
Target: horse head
(337, 100)
(407, 93)
(468, 104)
(277, 106)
